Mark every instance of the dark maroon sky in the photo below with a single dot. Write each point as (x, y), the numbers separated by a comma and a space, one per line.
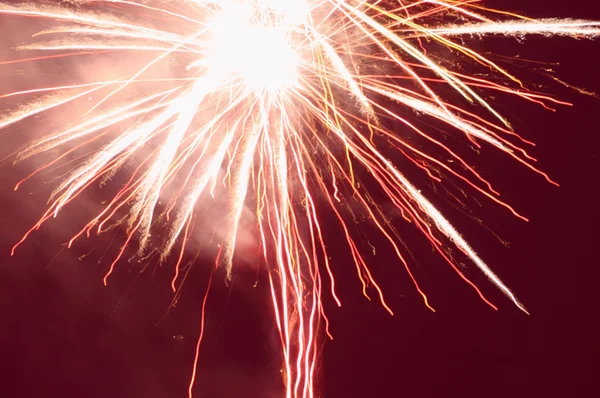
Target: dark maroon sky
(64, 334)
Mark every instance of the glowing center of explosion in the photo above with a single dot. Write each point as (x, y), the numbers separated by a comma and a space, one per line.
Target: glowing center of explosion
(260, 49)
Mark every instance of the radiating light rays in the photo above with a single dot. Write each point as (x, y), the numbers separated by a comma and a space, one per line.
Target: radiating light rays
(544, 27)
(281, 108)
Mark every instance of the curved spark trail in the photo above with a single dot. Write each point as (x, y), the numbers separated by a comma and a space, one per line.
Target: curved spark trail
(287, 105)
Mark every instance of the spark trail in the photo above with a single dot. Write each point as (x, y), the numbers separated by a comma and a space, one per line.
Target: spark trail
(288, 105)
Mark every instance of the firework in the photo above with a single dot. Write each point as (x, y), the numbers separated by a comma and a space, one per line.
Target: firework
(280, 107)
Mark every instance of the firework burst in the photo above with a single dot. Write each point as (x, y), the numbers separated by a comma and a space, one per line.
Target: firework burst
(281, 107)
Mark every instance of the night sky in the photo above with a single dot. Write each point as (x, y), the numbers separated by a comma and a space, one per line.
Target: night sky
(64, 334)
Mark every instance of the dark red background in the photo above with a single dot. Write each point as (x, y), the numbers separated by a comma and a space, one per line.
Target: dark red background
(64, 334)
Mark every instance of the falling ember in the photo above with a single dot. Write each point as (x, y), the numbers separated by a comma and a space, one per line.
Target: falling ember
(282, 102)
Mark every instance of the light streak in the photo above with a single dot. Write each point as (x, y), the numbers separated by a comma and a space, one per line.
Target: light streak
(285, 102)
